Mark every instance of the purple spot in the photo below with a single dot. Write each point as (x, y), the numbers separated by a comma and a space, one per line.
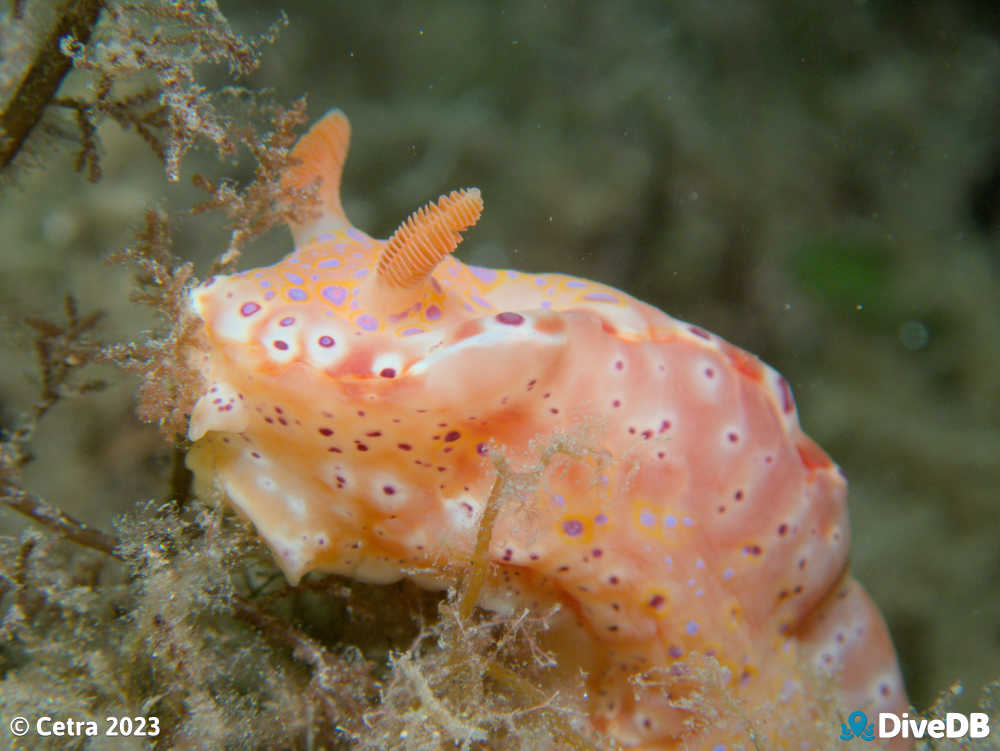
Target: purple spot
(647, 519)
(286, 321)
(269, 295)
(411, 332)
(356, 234)
(294, 278)
(546, 304)
(656, 601)
(361, 273)
(264, 283)
(388, 372)
(787, 403)
(335, 294)
(328, 263)
(601, 519)
(486, 276)
(297, 294)
(728, 574)
(572, 527)
(782, 529)
(278, 344)
(433, 312)
(575, 284)
(540, 281)
(699, 332)
(670, 521)
(326, 341)
(324, 237)
(388, 490)
(480, 301)
(510, 319)
(367, 322)
(452, 435)
(691, 628)
(248, 309)
(600, 297)
(675, 652)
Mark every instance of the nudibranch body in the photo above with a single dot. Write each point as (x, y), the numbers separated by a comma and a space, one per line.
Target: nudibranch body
(354, 387)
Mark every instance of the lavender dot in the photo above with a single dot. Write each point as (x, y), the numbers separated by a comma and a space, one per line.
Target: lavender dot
(433, 312)
(328, 263)
(647, 519)
(326, 341)
(286, 321)
(367, 322)
(572, 527)
(691, 628)
(297, 294)
(601, 519)
(248, 309)
(278, 344)
(486, 276)
(294, 278)
(335, 294)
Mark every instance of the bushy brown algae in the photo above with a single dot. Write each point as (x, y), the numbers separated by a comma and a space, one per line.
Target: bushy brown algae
(181, 614)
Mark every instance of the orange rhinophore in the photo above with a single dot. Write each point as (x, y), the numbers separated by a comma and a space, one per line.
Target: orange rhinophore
(353, 390)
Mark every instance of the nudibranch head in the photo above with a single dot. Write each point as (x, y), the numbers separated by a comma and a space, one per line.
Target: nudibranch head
(353, 389)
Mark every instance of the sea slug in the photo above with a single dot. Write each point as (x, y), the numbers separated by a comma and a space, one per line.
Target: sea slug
(355, 387)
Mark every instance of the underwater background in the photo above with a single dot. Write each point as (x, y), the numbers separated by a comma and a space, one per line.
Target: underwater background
(817, 182)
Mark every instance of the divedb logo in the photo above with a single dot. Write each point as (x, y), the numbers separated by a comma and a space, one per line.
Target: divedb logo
(954, 725)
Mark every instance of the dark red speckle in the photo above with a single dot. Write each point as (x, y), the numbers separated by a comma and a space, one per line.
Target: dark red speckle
(452, 435)
(656, 601)
(699, 332)
(326, 341)
(404, 446)
(782, 529)
(388, 490)
(482, 449)
(279, 344)
(510, 319)
(388, 372)
(325, 431)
